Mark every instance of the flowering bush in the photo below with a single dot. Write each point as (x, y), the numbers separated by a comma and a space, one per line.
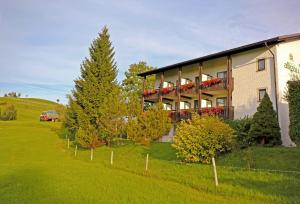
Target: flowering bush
(186, 86)
(210, 82)
(203, 137)
(149, 92)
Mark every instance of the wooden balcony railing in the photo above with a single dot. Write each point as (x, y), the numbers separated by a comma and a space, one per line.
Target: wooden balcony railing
(189, 88)
(224, 112)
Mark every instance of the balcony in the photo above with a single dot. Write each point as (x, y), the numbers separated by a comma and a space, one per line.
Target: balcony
(214, 84)
(224, 112)
(184, 114)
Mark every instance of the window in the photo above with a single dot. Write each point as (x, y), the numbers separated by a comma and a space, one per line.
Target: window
(185, 105)
(167, 84)
(167, 106)
(261, 65)
(205, 103)
(196, 105)
(221, 102)
(222, 75)
(261, 94)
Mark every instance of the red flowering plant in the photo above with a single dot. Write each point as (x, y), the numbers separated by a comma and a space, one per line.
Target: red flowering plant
(211, 82)
(187, 86)
(149, 92)
(212, 110)
(167, 90)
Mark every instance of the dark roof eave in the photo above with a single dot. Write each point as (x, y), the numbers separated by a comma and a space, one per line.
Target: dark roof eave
(243, 48)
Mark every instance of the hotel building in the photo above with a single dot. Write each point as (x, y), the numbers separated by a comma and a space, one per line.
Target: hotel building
(230, 83)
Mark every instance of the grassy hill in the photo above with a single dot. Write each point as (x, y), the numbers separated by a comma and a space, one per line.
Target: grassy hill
(28, 109)
(37, 167)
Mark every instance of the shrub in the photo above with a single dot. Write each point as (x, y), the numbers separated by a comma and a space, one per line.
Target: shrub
(9, 113)
(201, 138)
(293, 97)
(242, 127)
(265, 128)
(149, 126)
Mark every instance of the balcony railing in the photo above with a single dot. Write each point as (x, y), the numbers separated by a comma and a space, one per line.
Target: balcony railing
(225, 112)
(183, 114)
(189, 88)
(214, 83)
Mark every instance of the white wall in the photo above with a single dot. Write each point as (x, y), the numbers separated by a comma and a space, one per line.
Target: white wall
(247, 81)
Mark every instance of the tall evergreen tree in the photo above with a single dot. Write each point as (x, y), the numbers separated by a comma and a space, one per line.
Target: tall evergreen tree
(265, 127)
(95, 90)
(133, 86)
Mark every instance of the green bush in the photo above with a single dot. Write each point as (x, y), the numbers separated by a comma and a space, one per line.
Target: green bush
(9, 113)
(201, 138)
(242, 127)
(149, 126)
(293, 97)
(265, 128)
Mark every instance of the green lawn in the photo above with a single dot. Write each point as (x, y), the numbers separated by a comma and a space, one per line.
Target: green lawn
(37, 167)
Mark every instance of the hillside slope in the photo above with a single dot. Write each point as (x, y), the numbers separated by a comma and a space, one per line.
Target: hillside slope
(28, 109)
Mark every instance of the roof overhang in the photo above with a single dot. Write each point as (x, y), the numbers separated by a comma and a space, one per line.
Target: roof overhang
(243, 48)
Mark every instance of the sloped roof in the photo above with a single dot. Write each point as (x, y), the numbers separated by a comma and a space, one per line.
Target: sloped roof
(236, 50)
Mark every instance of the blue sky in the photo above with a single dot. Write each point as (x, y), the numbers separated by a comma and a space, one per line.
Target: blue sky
(42, 42)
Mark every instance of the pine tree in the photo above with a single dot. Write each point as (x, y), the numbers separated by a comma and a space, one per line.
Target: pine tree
(265, 127)
(95, 90)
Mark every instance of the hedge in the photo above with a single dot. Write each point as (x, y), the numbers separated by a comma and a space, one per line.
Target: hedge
(293, 97)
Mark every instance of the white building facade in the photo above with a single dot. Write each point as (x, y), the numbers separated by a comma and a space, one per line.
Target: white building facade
(230, 83)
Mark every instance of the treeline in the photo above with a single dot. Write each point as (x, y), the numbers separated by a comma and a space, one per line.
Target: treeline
(12, 95)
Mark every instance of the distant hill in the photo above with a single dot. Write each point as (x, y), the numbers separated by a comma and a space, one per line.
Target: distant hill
(29, 109)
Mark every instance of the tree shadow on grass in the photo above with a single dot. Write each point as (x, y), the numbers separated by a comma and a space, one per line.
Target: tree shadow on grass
(24, 186)
(286, 188)
(161, 151)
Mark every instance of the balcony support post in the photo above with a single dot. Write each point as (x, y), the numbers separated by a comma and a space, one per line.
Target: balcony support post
(229, 87)
(199, 87)
(178, 92)
(143, 97)
(162, 79)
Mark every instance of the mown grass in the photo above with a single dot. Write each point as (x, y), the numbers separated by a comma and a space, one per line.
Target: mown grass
(37, 167)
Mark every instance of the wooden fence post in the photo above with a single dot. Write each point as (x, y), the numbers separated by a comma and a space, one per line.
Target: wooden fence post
(215, 171)
(112, 157)
(92, 154)
(147, 160)
(75, 153)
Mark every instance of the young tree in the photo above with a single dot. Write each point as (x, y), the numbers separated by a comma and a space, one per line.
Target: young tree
(95, 90)
(133, 86)
(265, 127)
(149, 126)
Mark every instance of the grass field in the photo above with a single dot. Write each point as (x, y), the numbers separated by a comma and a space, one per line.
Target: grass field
(37, 167)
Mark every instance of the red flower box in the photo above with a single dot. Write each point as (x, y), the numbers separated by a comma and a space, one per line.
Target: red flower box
(210, 82)
(167, 90)
(186, 86)
(212, 110)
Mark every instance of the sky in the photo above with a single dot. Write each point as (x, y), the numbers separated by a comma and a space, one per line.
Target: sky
(43, 42)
